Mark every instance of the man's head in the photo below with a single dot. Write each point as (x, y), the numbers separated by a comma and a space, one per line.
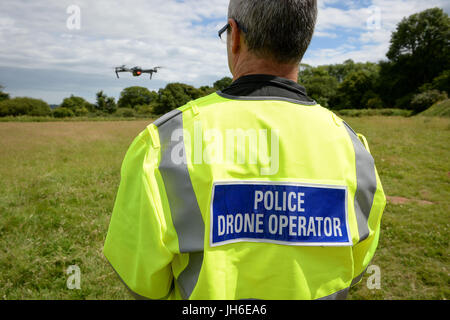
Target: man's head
(278, 31)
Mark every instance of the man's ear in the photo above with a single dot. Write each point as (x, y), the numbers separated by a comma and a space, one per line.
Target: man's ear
(235, 36)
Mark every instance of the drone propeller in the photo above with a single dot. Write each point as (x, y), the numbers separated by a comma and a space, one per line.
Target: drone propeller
(119, 69)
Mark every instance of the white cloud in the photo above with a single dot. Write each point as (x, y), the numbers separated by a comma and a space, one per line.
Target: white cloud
(372, 26)
(147, 33)
(179, 35)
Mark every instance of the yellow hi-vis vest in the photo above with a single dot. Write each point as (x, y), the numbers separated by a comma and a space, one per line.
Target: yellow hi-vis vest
(245, 199)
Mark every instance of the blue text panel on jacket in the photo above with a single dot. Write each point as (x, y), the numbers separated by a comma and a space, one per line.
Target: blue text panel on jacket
(289, 214)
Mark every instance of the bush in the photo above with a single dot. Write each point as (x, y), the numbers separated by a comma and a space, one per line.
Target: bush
(62, 112)
(81, 112)
(125, 113)
(24, 106)
(425, 100)
(135, 96)
(105, 104)
(404, 102)
(145, 110)
(74, 103)
(442, 82)
(375, 103)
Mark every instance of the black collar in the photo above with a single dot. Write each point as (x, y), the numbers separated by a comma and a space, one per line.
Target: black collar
(266, 87)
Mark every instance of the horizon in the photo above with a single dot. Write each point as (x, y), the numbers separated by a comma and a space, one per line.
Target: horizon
(53, 49)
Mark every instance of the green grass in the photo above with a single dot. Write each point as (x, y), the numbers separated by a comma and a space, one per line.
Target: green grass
(440, 109)
(374, 112)
(59, 180)
(73, 119)
(412, 157)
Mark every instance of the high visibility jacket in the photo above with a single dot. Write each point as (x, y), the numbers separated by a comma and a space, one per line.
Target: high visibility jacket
(246, 199)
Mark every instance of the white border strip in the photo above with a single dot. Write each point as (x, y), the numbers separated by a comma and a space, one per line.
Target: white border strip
(288, 243)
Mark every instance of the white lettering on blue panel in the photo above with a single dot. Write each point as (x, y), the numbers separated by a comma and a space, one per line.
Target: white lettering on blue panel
(282, 213)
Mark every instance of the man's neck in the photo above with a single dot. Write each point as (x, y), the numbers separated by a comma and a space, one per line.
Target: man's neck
(253, 65)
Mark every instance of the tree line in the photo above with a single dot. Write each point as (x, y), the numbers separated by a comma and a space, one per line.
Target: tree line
(133, 101)
(415, 75)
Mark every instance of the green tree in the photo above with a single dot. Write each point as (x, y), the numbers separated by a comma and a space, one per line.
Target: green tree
(207, 90)
(63, 112)
(105, 104)
(136, 96)
(319, 84)
(3, 95)
(357, 89)
(441, 83)
(340, 86)
(223, 83)
(342, 70)
(419, 52)
(24, 106)
(175, 95)
(74, 103)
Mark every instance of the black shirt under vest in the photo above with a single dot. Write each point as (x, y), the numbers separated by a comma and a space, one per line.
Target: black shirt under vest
(261, 87)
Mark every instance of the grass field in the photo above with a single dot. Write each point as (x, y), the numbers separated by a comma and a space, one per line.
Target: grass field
(59, 180)
(440, 109)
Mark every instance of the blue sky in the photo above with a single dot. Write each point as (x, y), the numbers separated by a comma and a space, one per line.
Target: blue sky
(43, 56)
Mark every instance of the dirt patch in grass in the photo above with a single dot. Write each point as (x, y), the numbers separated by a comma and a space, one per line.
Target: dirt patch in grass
(401, 200)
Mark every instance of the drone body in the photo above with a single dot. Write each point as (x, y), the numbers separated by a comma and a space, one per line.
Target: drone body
(136, 71)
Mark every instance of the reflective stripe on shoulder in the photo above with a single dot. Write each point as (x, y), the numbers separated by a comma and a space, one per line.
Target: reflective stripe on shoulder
(158, 123)
(186, 215)
(366, 184)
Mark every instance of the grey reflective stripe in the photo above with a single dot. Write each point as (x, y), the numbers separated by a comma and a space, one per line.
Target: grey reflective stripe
(167, 117)
(187, 280)
(358, 278)
(340, 295)
(186, 215)
(366, 184)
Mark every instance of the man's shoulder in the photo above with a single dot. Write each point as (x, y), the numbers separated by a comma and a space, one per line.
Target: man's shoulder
(200, 102)
(203, 101)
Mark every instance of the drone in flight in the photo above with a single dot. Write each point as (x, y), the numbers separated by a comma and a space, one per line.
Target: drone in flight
(136, 71)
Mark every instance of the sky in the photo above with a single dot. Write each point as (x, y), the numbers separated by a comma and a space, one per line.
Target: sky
(51, 49)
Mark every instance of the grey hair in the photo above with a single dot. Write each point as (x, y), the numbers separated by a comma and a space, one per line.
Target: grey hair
(278, 29)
